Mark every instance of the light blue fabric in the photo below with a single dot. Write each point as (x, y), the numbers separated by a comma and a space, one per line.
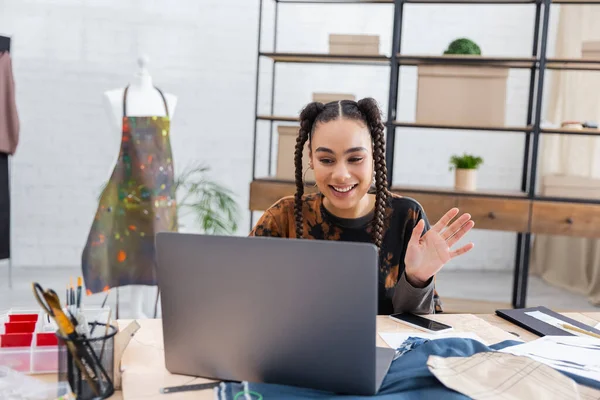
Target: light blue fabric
(408, 377)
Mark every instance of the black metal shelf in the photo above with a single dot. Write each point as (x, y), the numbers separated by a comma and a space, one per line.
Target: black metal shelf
(537, 64)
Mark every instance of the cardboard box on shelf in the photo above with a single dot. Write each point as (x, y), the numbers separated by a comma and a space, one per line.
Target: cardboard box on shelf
(461, 95)
(590, 49)
(329, 97)
(353, 44)
(570, 186)
(285, 154)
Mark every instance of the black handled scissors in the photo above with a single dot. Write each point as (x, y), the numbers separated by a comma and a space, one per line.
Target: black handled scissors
(41, 296)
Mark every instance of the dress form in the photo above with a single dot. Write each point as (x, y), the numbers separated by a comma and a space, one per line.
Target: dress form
(143, 99)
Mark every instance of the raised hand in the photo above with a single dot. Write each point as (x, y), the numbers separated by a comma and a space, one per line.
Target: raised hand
(427, 254)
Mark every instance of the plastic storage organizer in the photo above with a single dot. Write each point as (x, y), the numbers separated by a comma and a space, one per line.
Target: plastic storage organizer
(28, 341)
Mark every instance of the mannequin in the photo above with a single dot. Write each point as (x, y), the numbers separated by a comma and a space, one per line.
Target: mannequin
(143, 99)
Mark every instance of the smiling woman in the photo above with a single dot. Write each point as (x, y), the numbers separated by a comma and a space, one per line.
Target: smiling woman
(347, 154)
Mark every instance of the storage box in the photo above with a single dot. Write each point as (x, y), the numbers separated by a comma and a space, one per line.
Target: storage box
(285, 154)
(571, 186)
(590, 49)
(25, 346)
(329, 97)
(461, 95)
(354, 44)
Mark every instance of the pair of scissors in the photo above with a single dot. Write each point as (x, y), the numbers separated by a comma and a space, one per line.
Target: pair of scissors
(50, 302)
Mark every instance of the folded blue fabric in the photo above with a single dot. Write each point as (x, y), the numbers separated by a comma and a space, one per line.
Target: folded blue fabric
(408, 377)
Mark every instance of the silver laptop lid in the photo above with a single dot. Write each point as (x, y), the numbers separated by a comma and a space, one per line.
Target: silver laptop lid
(287, 311)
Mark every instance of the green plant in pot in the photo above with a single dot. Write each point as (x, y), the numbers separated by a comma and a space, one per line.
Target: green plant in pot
(463, 46)
(465, 167)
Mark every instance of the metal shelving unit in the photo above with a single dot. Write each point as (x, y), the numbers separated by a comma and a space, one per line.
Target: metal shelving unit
(537, 64)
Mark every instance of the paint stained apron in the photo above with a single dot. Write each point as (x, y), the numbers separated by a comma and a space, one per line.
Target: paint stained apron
(137, 202)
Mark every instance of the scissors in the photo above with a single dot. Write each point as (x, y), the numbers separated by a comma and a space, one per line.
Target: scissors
(50, 302)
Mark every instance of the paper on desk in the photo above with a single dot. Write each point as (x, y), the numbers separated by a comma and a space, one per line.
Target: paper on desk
(574, 354)
(597, 326)
(557, 323)
(549, 319)
(493, 375)
(395, 339)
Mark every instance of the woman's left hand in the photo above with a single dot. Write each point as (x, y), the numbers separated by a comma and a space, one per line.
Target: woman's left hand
(426, 255)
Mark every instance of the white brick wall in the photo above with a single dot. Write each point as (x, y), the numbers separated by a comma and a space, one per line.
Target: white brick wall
(67, 53)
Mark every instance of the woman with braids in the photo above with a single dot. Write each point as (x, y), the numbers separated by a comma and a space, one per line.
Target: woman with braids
(347, 154)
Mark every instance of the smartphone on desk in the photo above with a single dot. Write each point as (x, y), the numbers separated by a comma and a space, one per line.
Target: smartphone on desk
(422, 323)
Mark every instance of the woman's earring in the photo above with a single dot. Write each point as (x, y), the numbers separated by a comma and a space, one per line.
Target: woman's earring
(304, 177)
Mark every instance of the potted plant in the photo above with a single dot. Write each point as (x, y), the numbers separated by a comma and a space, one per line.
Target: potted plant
(462, 90)
(463, 46)
(465, 175)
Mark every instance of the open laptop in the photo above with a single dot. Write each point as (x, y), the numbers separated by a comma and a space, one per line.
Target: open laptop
(272, 310)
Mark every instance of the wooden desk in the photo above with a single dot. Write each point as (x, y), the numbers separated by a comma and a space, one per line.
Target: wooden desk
(144, 368)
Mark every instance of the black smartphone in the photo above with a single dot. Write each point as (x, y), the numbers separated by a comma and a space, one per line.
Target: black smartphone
(421, 323)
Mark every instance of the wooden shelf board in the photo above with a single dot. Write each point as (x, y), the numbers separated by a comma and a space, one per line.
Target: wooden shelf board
(576, 2)
(278, 118)
(584, 131)
(400, 189)
(464, 127)
(567, 199)
(266, 191)
(575, 64)
(324, 58)
(483, 61)
(399, 124)
(408, 1)
(290, 185)
(471, 1)
(336, 1)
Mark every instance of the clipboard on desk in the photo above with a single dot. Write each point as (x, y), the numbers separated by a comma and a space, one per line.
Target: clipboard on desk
(526, 319)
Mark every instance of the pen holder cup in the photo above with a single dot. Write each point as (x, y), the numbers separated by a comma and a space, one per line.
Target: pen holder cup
(98, 362)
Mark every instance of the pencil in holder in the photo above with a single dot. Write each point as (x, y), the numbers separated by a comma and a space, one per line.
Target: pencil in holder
(96, 381)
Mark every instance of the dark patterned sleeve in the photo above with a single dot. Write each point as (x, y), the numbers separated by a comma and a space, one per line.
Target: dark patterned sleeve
(421, 215)
(275, 220)
(267, 226)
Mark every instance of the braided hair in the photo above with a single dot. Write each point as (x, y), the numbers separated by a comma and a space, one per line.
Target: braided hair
(365, 110)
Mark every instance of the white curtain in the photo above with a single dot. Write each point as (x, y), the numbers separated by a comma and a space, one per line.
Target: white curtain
(572, 263)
